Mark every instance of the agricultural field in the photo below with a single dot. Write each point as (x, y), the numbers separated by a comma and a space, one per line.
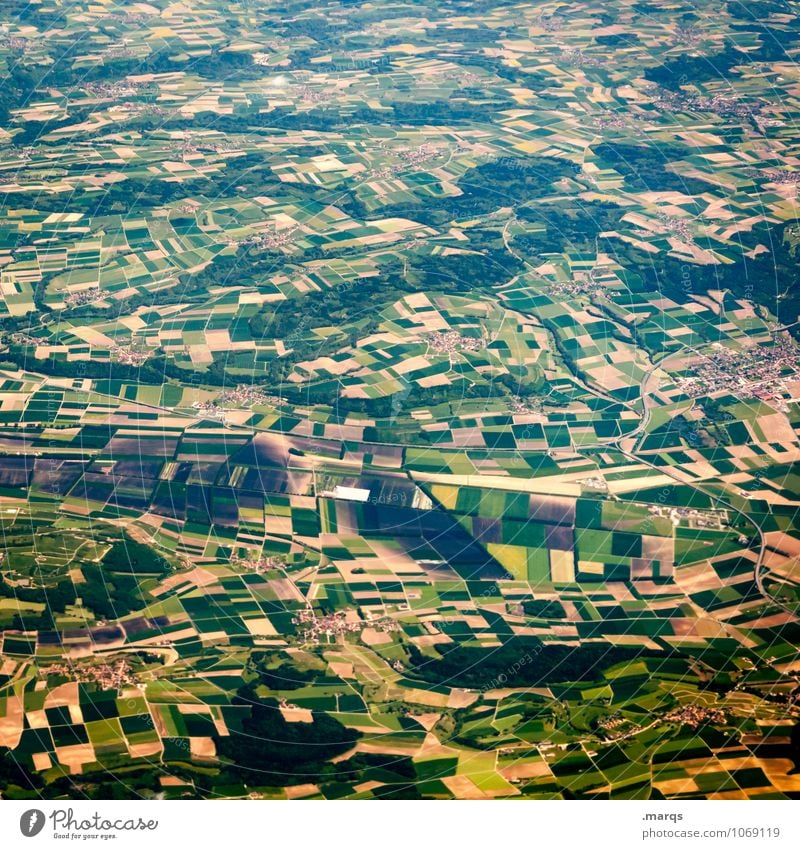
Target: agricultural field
(399, 401)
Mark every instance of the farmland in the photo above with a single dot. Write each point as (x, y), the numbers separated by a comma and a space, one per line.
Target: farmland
(399, 400)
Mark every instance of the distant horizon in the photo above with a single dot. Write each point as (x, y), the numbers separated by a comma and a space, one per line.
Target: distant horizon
(399, 402)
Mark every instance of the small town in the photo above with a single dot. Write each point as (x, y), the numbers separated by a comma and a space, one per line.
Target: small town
(755, 371)
(129, 356)
(112, 675)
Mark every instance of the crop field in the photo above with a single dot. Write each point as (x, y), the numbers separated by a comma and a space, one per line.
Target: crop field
(399, 401)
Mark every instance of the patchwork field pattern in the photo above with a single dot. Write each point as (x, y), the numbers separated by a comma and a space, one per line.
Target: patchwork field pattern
(399, 400)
